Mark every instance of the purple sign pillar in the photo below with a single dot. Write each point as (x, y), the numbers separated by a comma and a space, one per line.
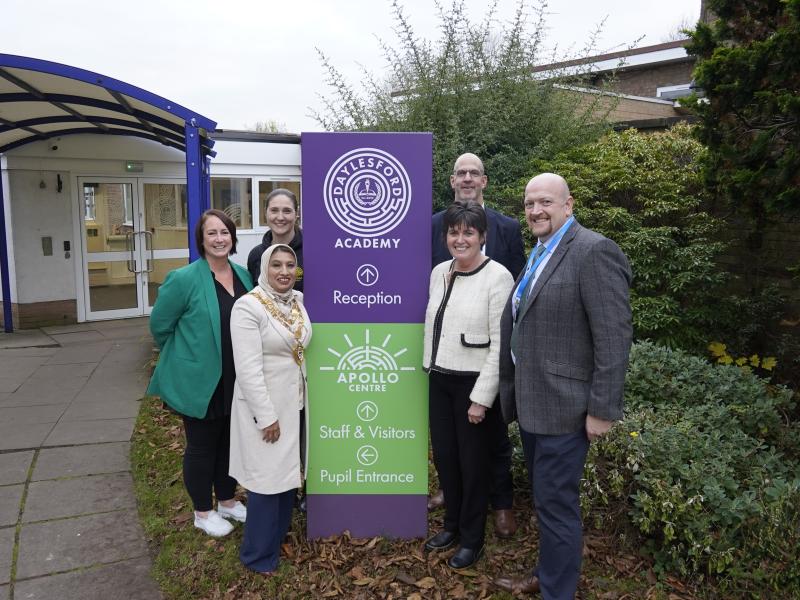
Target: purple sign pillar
(367, 255)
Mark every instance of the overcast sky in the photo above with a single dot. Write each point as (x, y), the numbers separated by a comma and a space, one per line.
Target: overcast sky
(242, 61)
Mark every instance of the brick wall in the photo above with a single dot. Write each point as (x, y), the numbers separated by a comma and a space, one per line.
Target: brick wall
(644, 82)
(43, 314)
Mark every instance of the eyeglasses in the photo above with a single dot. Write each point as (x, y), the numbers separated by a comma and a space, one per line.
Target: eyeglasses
(461, 173)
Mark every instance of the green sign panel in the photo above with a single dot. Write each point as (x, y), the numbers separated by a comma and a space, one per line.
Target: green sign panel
(368, 428)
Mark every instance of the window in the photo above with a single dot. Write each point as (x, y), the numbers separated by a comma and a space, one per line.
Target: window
(89, 206)
(673, 92)
(264, 189)
(233, 196)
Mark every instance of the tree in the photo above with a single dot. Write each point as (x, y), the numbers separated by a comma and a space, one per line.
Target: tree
(268, 126)
(476, 89)
(749, 70)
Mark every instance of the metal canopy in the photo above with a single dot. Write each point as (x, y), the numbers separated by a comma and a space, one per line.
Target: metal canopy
(40, 99)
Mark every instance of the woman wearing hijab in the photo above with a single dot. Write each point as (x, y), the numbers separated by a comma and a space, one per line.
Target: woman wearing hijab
(195, 373)
(270, 331)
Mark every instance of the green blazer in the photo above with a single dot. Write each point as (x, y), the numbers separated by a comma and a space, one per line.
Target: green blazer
(185, 326)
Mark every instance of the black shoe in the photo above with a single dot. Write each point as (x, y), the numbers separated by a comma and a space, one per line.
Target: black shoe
(464, 558)
(442, 540)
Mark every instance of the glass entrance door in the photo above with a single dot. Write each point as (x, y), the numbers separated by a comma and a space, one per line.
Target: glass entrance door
(134, 233)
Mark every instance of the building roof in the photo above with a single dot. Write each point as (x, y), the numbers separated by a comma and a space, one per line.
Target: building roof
(631, 58)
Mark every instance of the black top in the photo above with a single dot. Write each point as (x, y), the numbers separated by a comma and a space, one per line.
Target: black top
(220, 404)
(254, 258)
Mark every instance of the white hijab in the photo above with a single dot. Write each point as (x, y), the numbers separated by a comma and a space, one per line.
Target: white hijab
(282, 300)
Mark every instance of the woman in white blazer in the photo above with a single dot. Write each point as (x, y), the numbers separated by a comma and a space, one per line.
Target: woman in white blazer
(270, 330)
(461, 354)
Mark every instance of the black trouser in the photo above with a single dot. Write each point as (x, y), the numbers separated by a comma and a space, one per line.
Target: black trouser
(205, 461)
(462, 455)
(501, 487)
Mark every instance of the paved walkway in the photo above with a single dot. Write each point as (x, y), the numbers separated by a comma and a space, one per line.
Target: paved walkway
(68, 522)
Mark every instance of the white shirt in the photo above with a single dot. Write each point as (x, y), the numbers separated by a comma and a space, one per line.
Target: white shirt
(543, 263)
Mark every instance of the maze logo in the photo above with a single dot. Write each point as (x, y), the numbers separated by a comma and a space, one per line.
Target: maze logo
(366, 367)
(367, 192)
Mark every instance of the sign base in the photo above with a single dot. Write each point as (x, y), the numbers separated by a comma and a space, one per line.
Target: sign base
(400, 516)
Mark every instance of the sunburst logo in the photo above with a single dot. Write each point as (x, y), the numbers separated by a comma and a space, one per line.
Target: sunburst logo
(367, 367)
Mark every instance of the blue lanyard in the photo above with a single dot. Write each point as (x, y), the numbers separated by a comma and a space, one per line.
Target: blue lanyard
(530, 269)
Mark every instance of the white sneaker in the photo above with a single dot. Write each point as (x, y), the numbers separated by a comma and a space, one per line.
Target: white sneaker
(213, 524)
(237, 512)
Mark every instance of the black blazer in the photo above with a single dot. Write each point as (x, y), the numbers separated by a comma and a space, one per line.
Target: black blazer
(503, 241)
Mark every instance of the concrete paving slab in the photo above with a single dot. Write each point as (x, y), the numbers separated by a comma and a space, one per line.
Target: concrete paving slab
(14, 466)
(78, 337)
(134, 354)
(59, 498)
(68, 433)
(14, 366)
(55, 546)
(36, 392)
(32, 351)
(128, 579)
(99, 410)
(131, 332)
(23, 437)
(10, 384)
(45, 413)
(10, 495)
(60, 372)
(26, 338)
(5, 592)
(6, 551)
(4, 396)
(88, 353)
(71, 328)
(112, 390)
(143, 322)
(75, 461)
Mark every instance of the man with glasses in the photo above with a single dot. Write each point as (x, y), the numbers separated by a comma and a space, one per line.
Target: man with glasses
(503, 245)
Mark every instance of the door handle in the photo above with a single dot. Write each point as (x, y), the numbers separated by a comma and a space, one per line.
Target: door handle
(130, 245)
(151, 262)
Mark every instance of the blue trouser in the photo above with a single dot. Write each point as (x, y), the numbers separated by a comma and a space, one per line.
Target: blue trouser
(268, 519)
(555, 467)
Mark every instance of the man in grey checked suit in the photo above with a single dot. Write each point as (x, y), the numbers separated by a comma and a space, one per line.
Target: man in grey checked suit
(565, 340)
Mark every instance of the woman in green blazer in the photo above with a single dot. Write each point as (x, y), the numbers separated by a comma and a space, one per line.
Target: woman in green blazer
(195, 373)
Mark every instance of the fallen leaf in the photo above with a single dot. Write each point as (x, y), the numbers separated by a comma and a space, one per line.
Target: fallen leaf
(405, 578)
(426, 583)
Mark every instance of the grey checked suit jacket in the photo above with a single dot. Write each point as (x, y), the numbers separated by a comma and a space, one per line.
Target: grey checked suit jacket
(574, 339)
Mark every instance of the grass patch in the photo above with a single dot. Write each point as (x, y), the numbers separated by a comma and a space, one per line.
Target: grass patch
(189, 564)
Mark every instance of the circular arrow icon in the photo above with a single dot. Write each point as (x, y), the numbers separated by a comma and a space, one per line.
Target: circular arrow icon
(367, 455)
(367, 411)
(367, 275)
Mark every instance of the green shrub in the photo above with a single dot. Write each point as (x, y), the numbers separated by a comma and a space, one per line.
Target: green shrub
(645, 192)
(705, 469)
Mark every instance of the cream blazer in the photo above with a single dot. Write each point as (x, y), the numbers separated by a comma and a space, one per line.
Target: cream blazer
(269, 386)
(462, 325)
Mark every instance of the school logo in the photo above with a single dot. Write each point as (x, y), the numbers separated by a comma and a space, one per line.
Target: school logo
(367, 367)
(367, 192)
